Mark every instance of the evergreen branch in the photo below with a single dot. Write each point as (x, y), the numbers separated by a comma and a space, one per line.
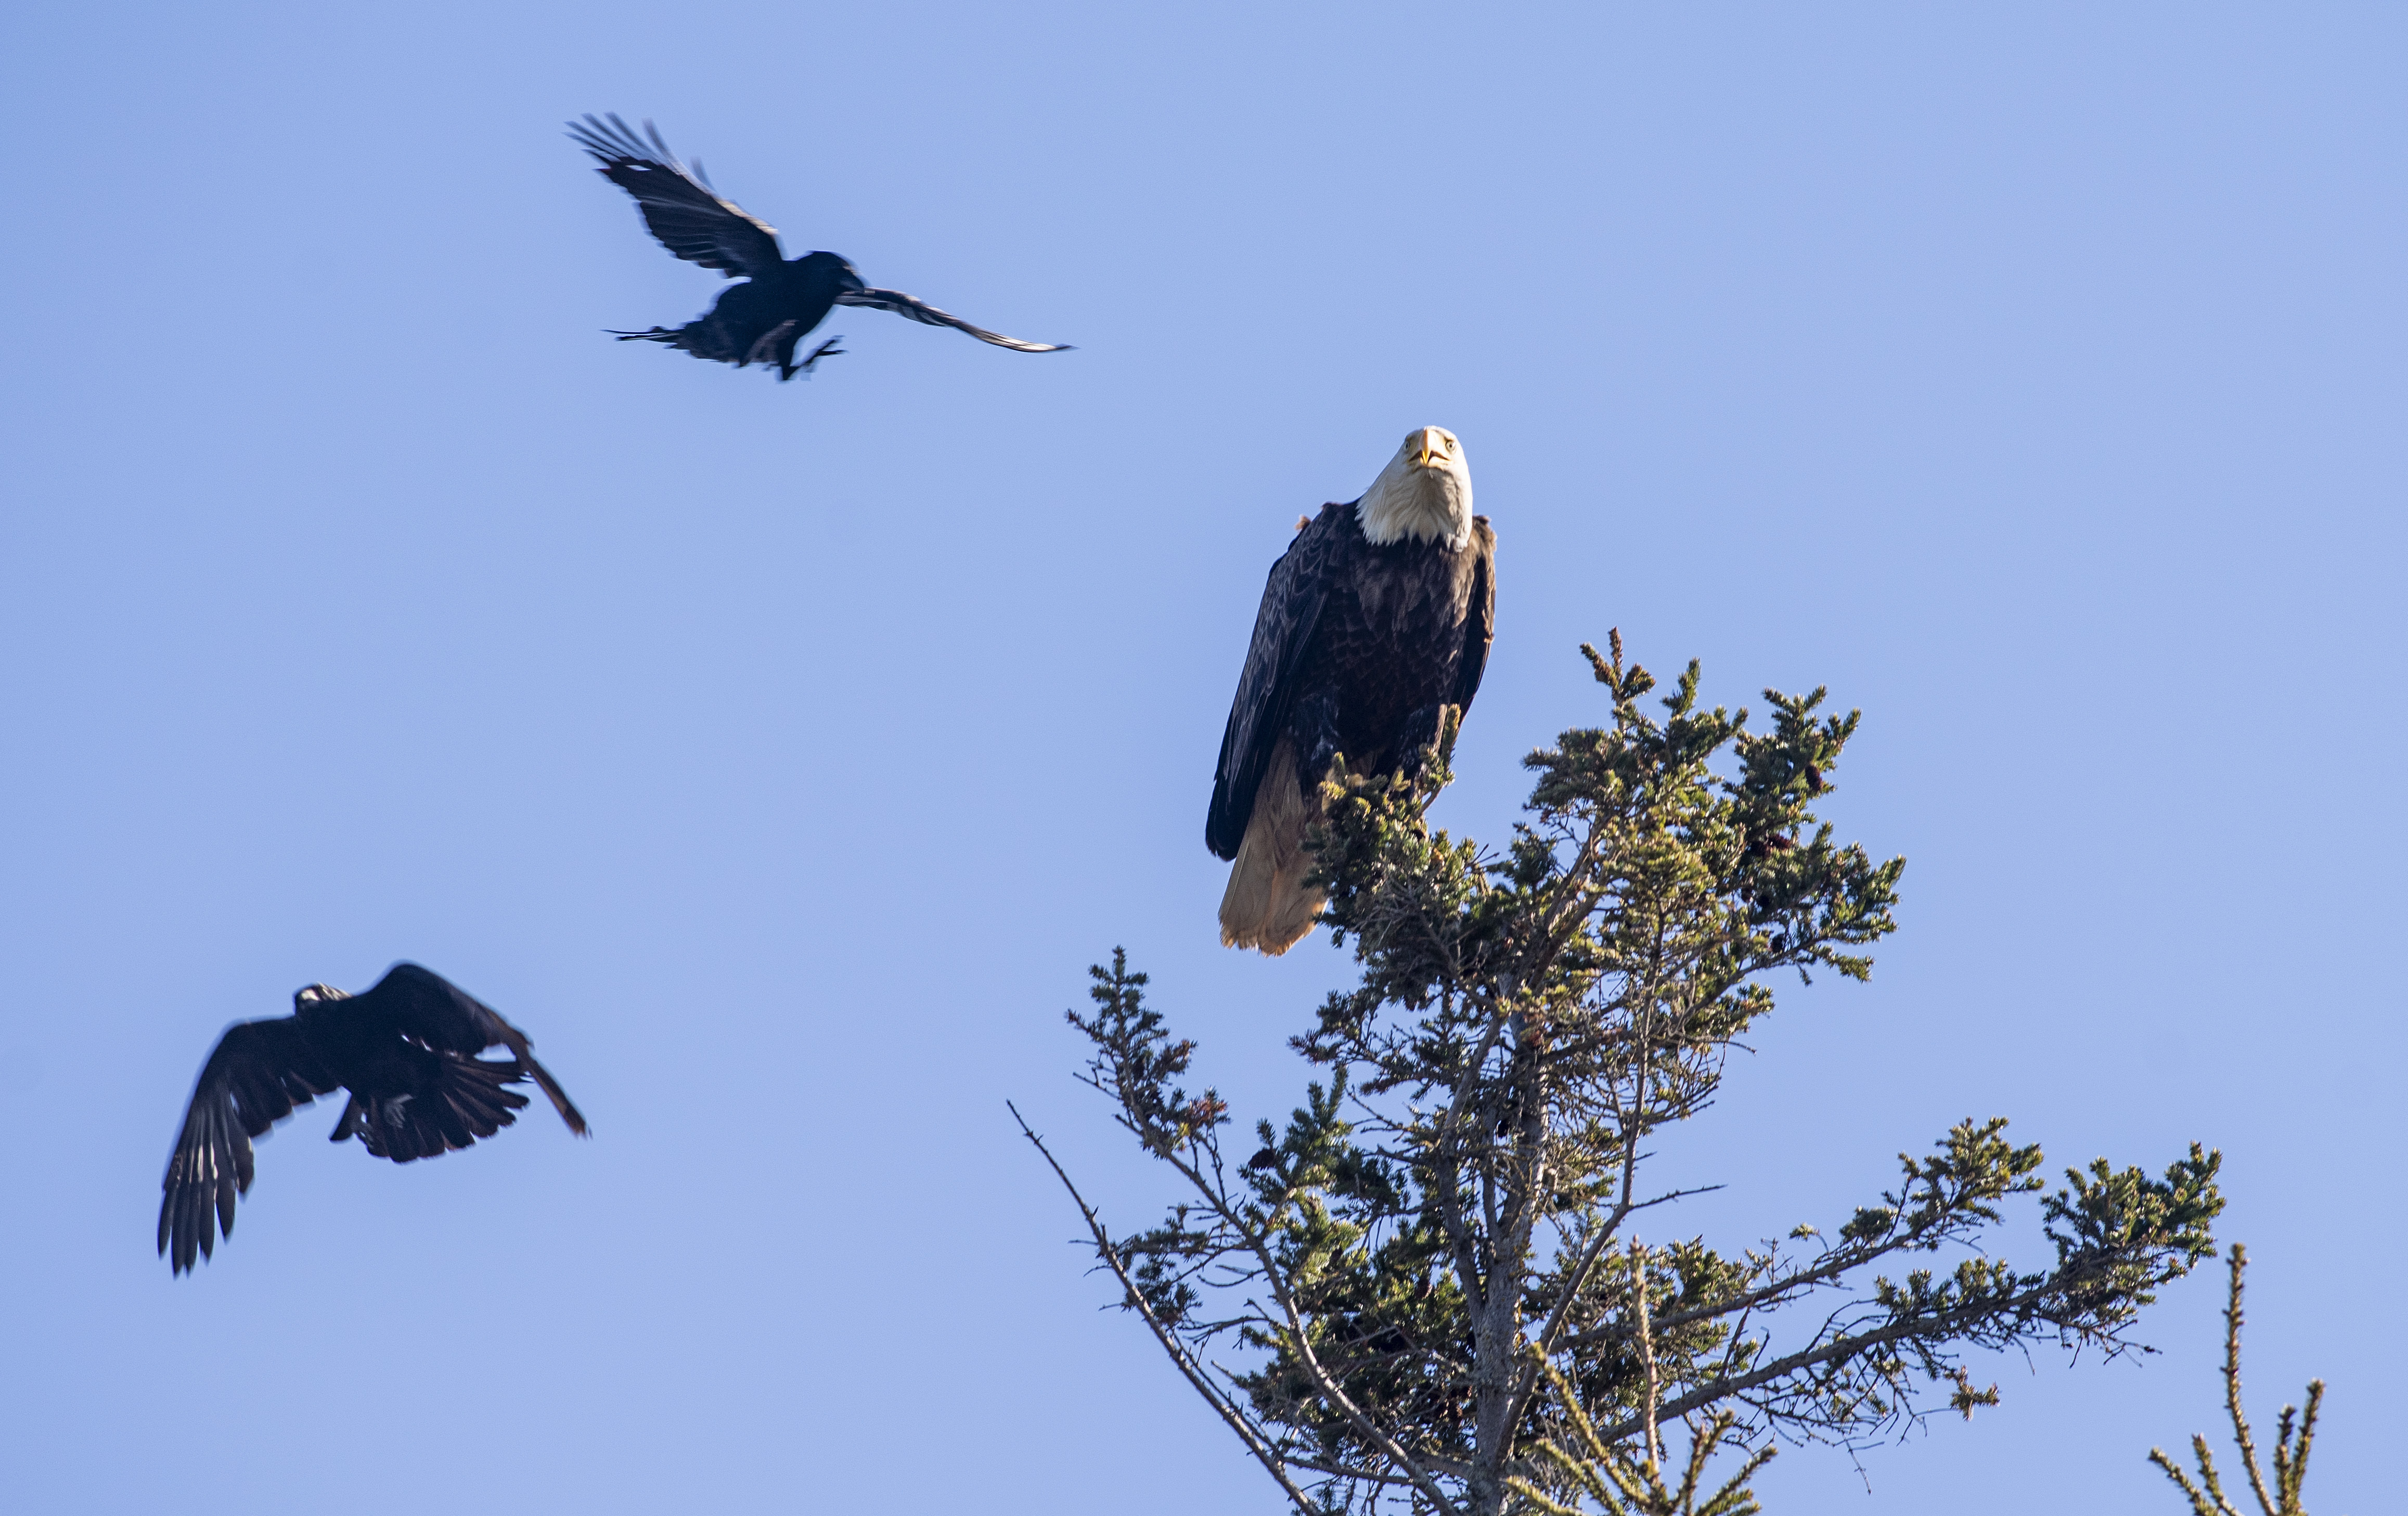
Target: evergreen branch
(1626, 1487)
(1127, 1035)
(1606, 1230)
(1551, 1337)
(1297, 1338)
(2199, 1498)
(1974, 1317)
(2290, 1447)
(1946, 1196)
(1133, 1298)
(2232, 1383)
(1443, 1144)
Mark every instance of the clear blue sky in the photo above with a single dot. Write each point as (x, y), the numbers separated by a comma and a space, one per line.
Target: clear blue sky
(779, 755)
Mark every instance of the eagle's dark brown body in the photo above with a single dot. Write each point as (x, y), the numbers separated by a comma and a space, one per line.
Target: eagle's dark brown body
(1357, 648)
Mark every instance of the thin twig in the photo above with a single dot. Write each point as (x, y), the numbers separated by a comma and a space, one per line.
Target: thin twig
(1838, 1348)
(1264, 1453)
(1324, 1383)
(2233, 1382)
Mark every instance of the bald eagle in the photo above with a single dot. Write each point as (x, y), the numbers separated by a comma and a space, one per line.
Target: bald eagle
(1377, 617)
(405, 1049)
(781, 300)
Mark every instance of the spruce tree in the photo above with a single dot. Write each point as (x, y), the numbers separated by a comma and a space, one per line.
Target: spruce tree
(1445, 1283)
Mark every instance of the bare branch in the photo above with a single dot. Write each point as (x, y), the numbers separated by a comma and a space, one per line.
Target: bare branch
(1193, 1371)
(1647, 1355)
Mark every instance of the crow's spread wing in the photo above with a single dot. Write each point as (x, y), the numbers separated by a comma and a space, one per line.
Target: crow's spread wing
(928, 315)
(1283, 628)
(679, 203)
(259, 1072)
(428, 1008)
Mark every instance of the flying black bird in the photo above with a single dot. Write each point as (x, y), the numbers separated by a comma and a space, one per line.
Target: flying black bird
(405, 1049)
(783, 299)
(1376, 619)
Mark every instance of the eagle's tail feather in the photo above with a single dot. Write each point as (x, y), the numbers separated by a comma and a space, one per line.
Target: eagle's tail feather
(1267, 906)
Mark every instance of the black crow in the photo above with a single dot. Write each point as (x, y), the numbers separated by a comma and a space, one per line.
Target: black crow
(405, 1049)
(781, 300)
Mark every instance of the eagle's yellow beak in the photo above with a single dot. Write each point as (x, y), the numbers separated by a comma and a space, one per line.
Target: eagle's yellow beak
(1431, 444)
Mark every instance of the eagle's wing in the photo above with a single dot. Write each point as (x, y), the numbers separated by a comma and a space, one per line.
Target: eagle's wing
(678, 202)
(928, 315)
(259, 1072)
(1479, 620)
(431, 1010)
(1283, 627)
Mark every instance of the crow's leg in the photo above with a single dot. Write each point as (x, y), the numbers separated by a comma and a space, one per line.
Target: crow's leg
(788, 368)
(825, 349)
(774, 346)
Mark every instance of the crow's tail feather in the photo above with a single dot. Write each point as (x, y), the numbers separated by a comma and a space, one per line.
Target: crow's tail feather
(468, 1100)
(551, 1087)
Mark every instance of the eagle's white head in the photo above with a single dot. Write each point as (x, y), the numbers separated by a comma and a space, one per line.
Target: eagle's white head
(1424, 493)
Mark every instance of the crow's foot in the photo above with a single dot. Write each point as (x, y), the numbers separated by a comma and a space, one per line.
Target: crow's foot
(825, 349)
